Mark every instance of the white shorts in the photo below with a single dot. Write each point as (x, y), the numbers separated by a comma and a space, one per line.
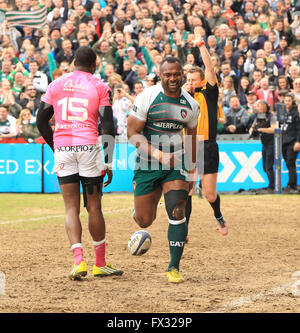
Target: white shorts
(85, 160)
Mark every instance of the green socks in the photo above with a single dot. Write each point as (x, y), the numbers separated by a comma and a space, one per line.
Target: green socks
(177, 233)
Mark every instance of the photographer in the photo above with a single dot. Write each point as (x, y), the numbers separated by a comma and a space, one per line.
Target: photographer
(263, 127)
(290, 126)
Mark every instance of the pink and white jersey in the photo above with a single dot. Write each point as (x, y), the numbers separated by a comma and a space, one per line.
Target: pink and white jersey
(76, 98)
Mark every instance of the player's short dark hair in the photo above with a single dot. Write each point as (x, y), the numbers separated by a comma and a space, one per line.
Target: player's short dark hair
(85, 57)
(171, 60)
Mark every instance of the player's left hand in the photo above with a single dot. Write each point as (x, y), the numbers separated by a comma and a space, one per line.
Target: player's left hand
(297, 146)
(193, 175)
(108, 172)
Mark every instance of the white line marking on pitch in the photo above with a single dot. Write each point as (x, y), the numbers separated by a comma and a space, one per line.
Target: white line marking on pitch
(41, 218)
(242, 301)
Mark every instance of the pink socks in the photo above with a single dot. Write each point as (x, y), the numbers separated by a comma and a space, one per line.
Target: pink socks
(77, 253)
(99, 248)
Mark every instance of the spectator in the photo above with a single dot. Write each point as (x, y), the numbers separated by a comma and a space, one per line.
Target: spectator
(142, 74)
(296, 90)
(28, 54)
(131, 56)
(39, 79)
(283, 48)
(26, 126)
(236, 117)
(257, 37)
(249, 13)
(217, 18)
(295, 56)
(9, 53)
(226, 70)
(267, 94)
(43, 64)
(121, 106)
(104, 51)
(243, 89)
(273, 39)
(250, 106)
(228, 13)
(113, 80)
(286, 64)
(283, 83)
(168, 51)
(227, 54)
(240, 27)
(127, 73)
(57, 21)
(281, 95)
(109, 70)
(17, 80)
(31, 99)
(212, 46)
(228, 90)
(150, 81)
(28, 35)
(64, 67)
(223, 37)
(158, 36)
(57, 73)
(8, 128)
(138, 87)
(61, 6)
(6, 69)
(7, 98)
(66, 53)
(294, 73)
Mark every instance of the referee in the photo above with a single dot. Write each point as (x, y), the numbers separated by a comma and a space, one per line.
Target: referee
(204, 88)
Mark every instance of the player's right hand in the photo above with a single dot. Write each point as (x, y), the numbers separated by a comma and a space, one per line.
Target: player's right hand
(108, 172)
(171, 159)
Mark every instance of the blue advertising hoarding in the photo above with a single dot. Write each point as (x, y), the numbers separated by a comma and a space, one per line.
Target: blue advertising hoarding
(29, 168)
(20, 168)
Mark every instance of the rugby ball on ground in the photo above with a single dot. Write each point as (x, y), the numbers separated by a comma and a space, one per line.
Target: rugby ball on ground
(139, 243)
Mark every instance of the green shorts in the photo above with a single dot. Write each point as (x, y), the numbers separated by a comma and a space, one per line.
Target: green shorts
(147, 181)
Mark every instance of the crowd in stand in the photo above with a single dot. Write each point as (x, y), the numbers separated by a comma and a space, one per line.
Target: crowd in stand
(255, 46)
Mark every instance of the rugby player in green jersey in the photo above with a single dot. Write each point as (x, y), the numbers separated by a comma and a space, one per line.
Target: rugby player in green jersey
(155, 126)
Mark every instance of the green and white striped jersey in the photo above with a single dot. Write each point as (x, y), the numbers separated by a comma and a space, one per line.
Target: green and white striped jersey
(165, 117)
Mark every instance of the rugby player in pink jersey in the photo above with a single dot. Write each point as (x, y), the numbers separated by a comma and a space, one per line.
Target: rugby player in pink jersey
(78, 101)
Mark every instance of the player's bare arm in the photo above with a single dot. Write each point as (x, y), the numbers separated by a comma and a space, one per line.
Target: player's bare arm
(191, 150)
(135, 137)
(108, 140)
(44, 115)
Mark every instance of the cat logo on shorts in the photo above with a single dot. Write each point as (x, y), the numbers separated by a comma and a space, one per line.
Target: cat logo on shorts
(61, 166)
(134, 185)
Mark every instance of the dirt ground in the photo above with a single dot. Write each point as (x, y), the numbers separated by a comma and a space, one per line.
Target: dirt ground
(248, 271)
